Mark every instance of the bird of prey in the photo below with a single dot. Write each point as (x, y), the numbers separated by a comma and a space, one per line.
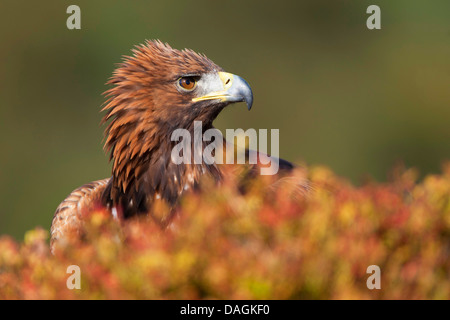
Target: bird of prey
(153, 92)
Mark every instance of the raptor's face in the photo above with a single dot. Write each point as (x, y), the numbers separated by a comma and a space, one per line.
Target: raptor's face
(219, 87)
(174, 87)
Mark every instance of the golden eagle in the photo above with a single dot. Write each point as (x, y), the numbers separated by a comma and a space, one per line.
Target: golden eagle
(154, 92)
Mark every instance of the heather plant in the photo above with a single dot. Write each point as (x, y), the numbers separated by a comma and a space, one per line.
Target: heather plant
(266, 243)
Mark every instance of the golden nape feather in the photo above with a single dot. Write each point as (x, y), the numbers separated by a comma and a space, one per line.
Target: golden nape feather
(154, 92)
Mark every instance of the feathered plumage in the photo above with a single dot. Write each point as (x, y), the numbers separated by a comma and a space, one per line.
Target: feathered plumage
(153, 93)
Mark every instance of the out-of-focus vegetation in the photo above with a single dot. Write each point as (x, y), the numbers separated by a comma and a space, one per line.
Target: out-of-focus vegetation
(343, 96)
(261, 245)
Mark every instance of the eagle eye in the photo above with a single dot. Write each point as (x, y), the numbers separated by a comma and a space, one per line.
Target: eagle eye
(187, 83)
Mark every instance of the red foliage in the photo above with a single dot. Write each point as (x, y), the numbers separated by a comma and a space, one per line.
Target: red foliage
(261, 245)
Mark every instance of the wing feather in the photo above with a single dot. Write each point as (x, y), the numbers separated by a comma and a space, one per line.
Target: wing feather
(67, 219)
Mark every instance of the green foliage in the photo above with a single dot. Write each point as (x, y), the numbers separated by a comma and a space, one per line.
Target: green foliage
(261, 245)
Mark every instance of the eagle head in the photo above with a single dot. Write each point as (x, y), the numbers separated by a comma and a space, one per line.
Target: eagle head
(154, 92)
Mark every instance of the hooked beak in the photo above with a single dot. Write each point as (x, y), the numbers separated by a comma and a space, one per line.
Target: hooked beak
(234, 89)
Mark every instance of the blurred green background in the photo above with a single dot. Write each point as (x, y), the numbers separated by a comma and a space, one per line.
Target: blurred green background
(344, 96)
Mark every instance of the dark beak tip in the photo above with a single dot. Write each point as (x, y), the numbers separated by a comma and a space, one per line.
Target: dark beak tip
(249, 104)
(248, 98)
